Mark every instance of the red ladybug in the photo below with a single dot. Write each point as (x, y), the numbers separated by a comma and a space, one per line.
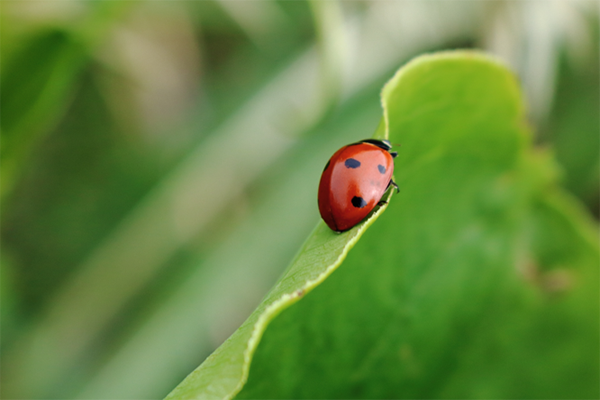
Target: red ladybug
(353, 182)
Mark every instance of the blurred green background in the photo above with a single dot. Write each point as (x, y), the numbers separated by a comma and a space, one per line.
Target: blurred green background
(160, 159)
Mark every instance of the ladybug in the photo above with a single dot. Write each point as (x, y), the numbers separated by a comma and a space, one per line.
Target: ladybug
(353, 182)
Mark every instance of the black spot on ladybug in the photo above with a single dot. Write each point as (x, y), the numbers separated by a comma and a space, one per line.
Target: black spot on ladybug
(358, 202)
(381, 168)
(352, 163)
(326, 166)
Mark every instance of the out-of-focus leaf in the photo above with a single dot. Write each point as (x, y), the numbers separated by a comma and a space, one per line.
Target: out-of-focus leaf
(442, 287)
(574, 128)
(8, 299)
(28, 88)
(34, 86)
(35, 94)
(69, 188)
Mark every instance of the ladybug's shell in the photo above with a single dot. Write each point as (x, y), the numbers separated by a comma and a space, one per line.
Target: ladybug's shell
(353, 182)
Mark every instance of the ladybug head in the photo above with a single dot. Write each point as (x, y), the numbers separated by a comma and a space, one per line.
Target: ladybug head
(383, 144)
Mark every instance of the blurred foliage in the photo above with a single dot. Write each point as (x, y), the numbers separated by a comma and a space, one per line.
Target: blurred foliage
(159, 160)
(573, 125)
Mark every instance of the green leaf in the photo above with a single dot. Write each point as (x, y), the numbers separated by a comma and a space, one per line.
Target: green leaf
(8, 297)
(480, 280)
(574, 126)
(225, 371)
(35, 83)
(36, 87)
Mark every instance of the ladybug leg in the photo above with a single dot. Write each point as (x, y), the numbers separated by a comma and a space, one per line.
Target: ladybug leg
(392, 183)
(381, 202)
(394, 154)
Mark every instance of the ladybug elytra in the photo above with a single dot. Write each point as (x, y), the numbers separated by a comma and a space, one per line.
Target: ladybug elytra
(354, 181)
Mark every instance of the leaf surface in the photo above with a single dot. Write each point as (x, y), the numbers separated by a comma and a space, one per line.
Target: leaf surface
(480, 280)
